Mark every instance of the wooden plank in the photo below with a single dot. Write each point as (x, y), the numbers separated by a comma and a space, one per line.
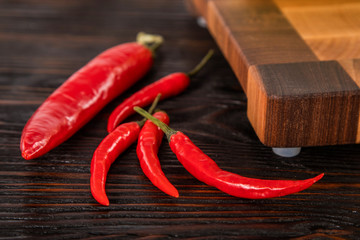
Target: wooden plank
(311, 3)
(325, 114)
(255, 35)
(331, 29)
(352, 67)
(336, 48)
(254, 32)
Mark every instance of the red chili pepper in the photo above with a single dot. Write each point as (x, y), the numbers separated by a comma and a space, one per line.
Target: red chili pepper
(149, 141)
(206, 170)
(84, 94)
(108, 150)
(168, 86)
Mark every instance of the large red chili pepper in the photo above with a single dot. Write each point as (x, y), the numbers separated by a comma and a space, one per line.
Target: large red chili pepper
(168, 86)
(149, 141)
(84, 94)
(108, 150)
(206, 170)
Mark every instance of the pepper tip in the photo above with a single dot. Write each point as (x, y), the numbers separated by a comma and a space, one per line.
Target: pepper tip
(26, 156)
(173, 192)
(98, 192)
(103, 201)
(318, 177)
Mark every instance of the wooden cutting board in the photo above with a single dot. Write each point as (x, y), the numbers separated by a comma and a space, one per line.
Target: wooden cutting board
(298, 62)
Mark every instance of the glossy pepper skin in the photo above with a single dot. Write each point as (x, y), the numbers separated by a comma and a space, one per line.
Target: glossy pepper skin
(206, 170)
(149, 141)
(168, 86)
(82, 96)
(108, 150)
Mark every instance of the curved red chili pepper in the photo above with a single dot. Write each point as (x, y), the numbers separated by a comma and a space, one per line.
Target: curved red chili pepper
(82, 96)
(108, 150)
(168, 86)
(206, 170)
(149, 141)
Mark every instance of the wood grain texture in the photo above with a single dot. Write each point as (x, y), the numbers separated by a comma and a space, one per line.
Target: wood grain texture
(289, 104)
(254, 33)
(261, 34)
(352, 67)
(42, 42)
(330, 28)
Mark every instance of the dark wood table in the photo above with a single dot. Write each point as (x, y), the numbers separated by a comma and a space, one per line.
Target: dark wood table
(43, 42)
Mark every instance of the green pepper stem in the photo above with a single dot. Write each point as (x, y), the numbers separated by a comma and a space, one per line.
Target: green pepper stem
(165, 128)
(151, 109)
(154, 103)
(151, 41)
(201, 64)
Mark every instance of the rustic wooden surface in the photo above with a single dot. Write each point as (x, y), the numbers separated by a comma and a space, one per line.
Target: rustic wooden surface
(291, 39)
(43, 42)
